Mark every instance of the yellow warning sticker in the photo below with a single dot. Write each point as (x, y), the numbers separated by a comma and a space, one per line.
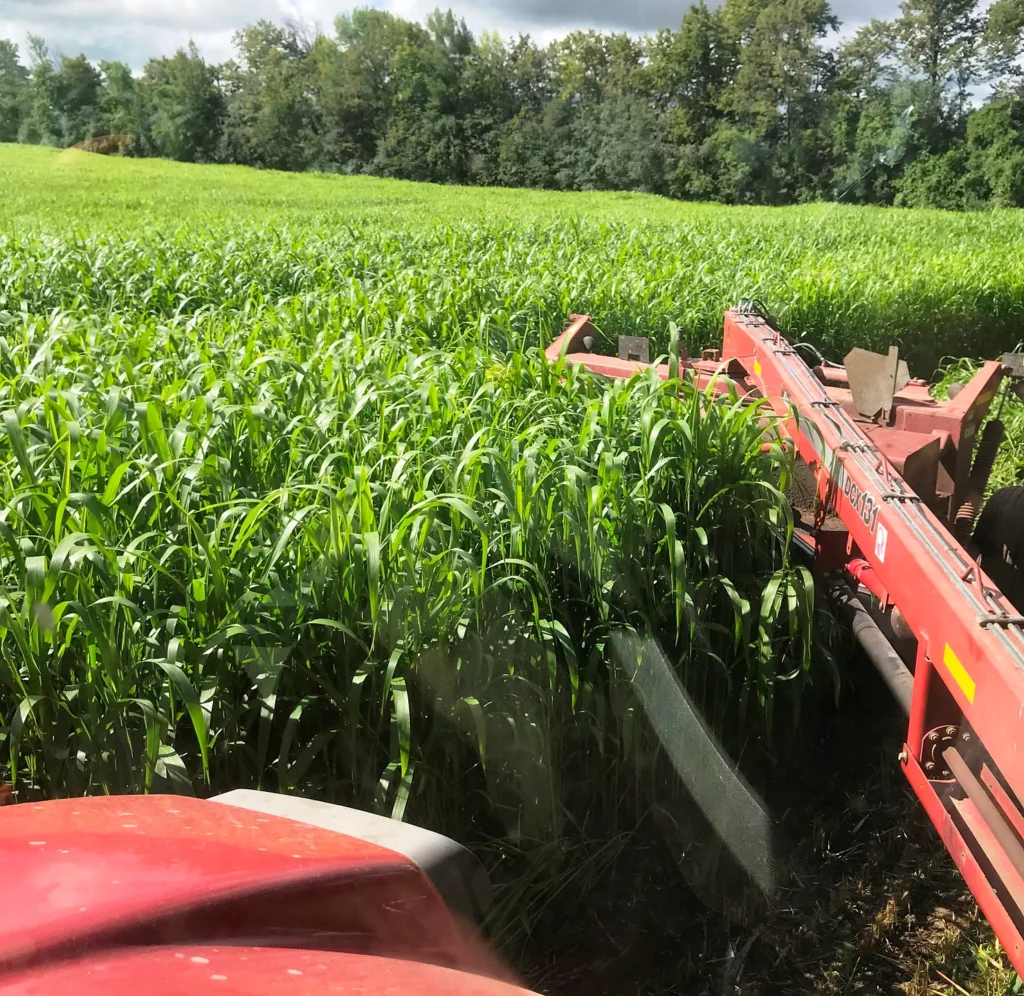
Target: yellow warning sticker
(757, 369)
(959, 672)
(985, 396)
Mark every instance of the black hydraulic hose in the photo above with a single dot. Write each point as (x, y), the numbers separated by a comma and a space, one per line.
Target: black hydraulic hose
(880, 652)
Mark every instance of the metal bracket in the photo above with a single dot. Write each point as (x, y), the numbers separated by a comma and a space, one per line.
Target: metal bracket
(874, 379)
(936, 741)
(1013, 364)
(635, 347)
(1003, 619)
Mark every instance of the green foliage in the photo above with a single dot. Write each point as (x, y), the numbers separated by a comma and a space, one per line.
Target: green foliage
(995, 142)
(266, 525)
(120, 101)
(934, 284)
(270, 119)
(753, 102)
(938, 182)
(13, 84)
(619, 144)
(186, 107)
(986, 168)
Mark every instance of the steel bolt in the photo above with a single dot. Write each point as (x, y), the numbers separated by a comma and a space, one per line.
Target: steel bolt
(965, 736)
(950, 731)
(929, 766)
(933, 736)
(902, 757)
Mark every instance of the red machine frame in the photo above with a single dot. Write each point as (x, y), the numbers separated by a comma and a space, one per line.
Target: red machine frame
(966, 706)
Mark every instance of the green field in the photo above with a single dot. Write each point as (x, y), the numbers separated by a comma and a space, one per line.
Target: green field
(292, 499)
(305, 507)
(277, 444)
(934, 283)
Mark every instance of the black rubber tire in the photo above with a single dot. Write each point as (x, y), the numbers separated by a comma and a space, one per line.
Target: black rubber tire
(999, 539)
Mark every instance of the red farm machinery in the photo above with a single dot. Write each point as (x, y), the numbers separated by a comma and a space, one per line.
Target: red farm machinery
(889, 486)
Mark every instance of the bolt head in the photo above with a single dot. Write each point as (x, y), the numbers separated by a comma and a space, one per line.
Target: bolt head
(950, 731)
(902, 757)
(929, 766)
(933, 736)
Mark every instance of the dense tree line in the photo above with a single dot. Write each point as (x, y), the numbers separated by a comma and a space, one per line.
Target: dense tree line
(753, 101)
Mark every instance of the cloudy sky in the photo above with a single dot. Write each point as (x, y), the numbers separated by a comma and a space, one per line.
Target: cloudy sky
(135, 30)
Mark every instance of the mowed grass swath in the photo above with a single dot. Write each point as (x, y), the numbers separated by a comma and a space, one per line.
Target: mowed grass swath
(255, 547)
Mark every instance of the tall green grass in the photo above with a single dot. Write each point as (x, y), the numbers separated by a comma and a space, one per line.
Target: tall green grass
(1009, 466)
(290, 497)
(259, 547)
(933, 283)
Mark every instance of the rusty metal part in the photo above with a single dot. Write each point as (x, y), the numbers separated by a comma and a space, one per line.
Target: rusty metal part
(981, 469)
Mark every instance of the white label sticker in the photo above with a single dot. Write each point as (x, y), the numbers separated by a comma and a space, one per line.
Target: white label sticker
(880, 538)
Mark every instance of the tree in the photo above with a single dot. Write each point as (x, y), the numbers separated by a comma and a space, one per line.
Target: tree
(187, 106)
(121, 104)
(13, 91)
(940, 181)
(780, 91)
(1003, 41)
(939, 41)
(38, 124)
(358, 84)
(869, 116)
(271, 118)
(531, 74)
(689, 72)
(731, 166)
(427, 137)
(995, 146)
(77, 85)
(526, 152)
(749, 101)
(488, 100)
(619, 143)
(586, 65)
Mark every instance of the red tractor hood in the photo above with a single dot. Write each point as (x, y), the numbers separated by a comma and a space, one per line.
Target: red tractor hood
(88, 882)
(171, 971)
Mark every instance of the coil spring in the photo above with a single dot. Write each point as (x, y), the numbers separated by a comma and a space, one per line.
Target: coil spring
(981, 469)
